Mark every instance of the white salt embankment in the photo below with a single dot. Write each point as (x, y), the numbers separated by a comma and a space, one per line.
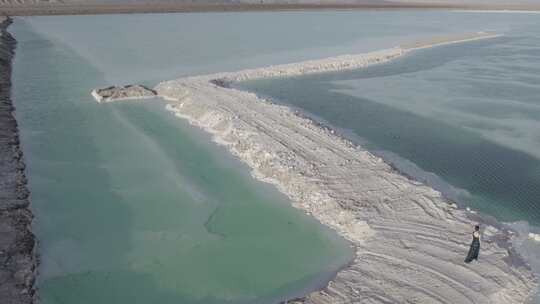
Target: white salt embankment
(410, 241)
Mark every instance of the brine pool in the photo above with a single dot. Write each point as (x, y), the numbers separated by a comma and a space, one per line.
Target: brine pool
(463, 117)
(134, 205)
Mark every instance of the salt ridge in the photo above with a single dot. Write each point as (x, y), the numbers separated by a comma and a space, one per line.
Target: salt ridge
(410, 241)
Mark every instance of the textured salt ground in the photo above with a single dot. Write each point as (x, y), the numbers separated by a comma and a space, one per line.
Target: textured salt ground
(410, 241)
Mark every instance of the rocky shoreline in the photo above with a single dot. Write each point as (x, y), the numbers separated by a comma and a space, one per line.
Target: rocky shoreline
(18, 259)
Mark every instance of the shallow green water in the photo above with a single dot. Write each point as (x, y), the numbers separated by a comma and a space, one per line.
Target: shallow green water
(133, 205)
(464, 118)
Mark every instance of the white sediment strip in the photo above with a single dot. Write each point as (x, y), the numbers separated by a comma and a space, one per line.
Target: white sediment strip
(410, 242)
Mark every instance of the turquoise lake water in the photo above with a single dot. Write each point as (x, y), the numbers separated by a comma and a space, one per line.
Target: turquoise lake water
(133, 205)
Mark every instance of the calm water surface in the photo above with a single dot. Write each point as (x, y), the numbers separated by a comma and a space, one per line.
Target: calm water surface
(468, 113)
(133, 205)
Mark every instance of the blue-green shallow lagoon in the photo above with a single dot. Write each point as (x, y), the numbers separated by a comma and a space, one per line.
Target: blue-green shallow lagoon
(463, 117)
(133, 205)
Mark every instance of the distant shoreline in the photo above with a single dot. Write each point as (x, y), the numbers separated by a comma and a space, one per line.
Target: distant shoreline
(143, 8)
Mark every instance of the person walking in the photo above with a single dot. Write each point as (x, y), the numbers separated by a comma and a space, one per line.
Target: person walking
(475, 246)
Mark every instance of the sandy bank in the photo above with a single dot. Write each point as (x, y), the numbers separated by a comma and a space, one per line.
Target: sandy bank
(17, 243)
(15, 8)
(410, 241)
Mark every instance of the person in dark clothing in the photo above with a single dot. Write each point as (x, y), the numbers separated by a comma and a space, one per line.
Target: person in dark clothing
(475, 246)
